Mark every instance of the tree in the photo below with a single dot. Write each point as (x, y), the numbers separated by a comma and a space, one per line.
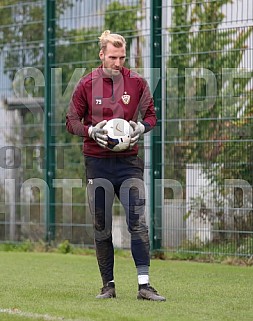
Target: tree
(198, 42)
(209, 127)
(23, 33)
(22, 37)
(125, 24)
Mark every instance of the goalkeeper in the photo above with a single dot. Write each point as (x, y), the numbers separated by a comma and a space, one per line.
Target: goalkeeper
(113, 91)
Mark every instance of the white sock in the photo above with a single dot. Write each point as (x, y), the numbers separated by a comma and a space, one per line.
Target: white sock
(143, 279)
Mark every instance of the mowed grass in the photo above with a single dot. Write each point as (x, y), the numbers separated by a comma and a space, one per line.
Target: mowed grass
(49, 286)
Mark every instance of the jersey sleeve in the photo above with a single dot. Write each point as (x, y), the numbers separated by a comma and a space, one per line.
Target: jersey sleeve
(76, 111)
(146, 107)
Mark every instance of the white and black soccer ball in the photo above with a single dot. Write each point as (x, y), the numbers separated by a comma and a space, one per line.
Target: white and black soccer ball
(118, 132)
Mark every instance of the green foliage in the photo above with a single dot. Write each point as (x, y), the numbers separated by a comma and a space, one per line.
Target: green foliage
(219, 131)
(26, 246)
(40, 246)
(195, 250)
(65, 247)
(122, 19)
(79, 49)
(197, 41)
(226, 251)
(22, 34)
(23, 37)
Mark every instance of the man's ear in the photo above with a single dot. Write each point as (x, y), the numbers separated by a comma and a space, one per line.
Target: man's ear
(101, 55)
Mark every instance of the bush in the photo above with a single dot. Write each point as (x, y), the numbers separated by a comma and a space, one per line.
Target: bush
(65, 247)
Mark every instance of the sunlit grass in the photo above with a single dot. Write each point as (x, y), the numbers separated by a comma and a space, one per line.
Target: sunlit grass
(58, 286)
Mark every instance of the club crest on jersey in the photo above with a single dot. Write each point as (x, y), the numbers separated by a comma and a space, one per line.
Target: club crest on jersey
(125, 98)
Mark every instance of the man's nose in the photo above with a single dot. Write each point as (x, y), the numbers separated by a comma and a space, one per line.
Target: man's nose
(117, 62)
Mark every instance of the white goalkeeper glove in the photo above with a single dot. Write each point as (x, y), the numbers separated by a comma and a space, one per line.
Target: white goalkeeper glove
(138, 130)
(99, 134)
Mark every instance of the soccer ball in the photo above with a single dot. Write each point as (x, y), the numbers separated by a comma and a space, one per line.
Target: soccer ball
(118, 132)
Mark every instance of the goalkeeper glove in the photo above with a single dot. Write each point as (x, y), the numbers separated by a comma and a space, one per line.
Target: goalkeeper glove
(138, 130)
(99, 134)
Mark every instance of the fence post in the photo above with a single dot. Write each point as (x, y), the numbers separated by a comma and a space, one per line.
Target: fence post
(49, 45)
(156, 139)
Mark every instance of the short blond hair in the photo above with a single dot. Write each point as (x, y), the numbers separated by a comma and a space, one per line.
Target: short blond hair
(115, 39)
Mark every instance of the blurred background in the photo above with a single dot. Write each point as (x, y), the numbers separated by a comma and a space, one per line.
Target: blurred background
(198, 59)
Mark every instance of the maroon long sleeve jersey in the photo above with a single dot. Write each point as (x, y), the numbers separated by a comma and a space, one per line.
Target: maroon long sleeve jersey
(98, 97)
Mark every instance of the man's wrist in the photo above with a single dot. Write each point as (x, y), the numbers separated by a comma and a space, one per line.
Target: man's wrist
(142, 127)
(147, 126)
(90, 131)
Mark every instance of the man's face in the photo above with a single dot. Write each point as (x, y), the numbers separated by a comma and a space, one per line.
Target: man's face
(113, 59)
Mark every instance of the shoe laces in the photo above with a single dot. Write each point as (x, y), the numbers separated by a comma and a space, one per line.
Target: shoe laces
(104, 289)
(150, 288)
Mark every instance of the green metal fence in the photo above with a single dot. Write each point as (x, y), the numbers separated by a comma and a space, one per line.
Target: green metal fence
(197, 58)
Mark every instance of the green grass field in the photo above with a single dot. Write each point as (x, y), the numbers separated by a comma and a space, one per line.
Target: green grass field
(54, 287)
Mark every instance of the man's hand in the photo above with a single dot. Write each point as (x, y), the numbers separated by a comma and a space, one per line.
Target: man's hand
(99, 134)
(138, 130)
